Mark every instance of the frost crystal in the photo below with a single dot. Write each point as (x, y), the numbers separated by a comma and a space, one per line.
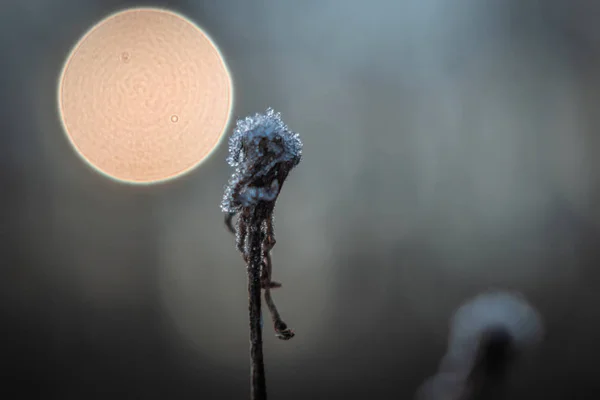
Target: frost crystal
(262, 150)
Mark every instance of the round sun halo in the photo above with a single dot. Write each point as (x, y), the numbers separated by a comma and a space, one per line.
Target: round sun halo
(145, 96)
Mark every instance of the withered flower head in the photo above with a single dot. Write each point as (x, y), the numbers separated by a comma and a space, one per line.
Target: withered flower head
(263, 151)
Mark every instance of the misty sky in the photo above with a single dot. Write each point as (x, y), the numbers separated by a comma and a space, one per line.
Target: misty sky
(448, 148)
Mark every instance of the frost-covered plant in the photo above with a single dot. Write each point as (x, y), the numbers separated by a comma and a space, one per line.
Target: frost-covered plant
(263, 151)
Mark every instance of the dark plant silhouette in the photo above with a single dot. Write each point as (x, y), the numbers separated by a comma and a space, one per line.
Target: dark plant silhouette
(263, 151)
(488, 333)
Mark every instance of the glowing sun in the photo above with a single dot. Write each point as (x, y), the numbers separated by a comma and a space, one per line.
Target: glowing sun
(144, 96)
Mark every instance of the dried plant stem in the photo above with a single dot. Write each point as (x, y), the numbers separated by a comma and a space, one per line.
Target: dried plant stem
(254, 239)
(263, 151)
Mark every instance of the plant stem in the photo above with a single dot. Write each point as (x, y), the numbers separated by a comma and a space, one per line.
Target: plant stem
(258, 387)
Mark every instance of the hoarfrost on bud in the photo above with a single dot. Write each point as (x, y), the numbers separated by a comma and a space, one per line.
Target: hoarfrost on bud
(262, 150)
(245, 141)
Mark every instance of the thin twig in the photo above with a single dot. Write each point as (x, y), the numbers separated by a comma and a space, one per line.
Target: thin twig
(258, 388)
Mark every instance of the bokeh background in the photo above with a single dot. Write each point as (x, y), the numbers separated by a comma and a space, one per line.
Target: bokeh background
(449, 148)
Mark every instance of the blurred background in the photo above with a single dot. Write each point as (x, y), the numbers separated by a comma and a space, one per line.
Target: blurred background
(449, 147)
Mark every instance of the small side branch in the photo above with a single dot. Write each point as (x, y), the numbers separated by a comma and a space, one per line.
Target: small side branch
(281, 329)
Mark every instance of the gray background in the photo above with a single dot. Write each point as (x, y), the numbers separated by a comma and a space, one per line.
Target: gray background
(449, 147)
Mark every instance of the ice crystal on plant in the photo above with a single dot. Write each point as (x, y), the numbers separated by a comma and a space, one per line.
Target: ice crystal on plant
(262, 150)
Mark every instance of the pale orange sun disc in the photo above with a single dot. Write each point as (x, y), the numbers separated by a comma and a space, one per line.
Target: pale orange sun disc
(145, 96)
